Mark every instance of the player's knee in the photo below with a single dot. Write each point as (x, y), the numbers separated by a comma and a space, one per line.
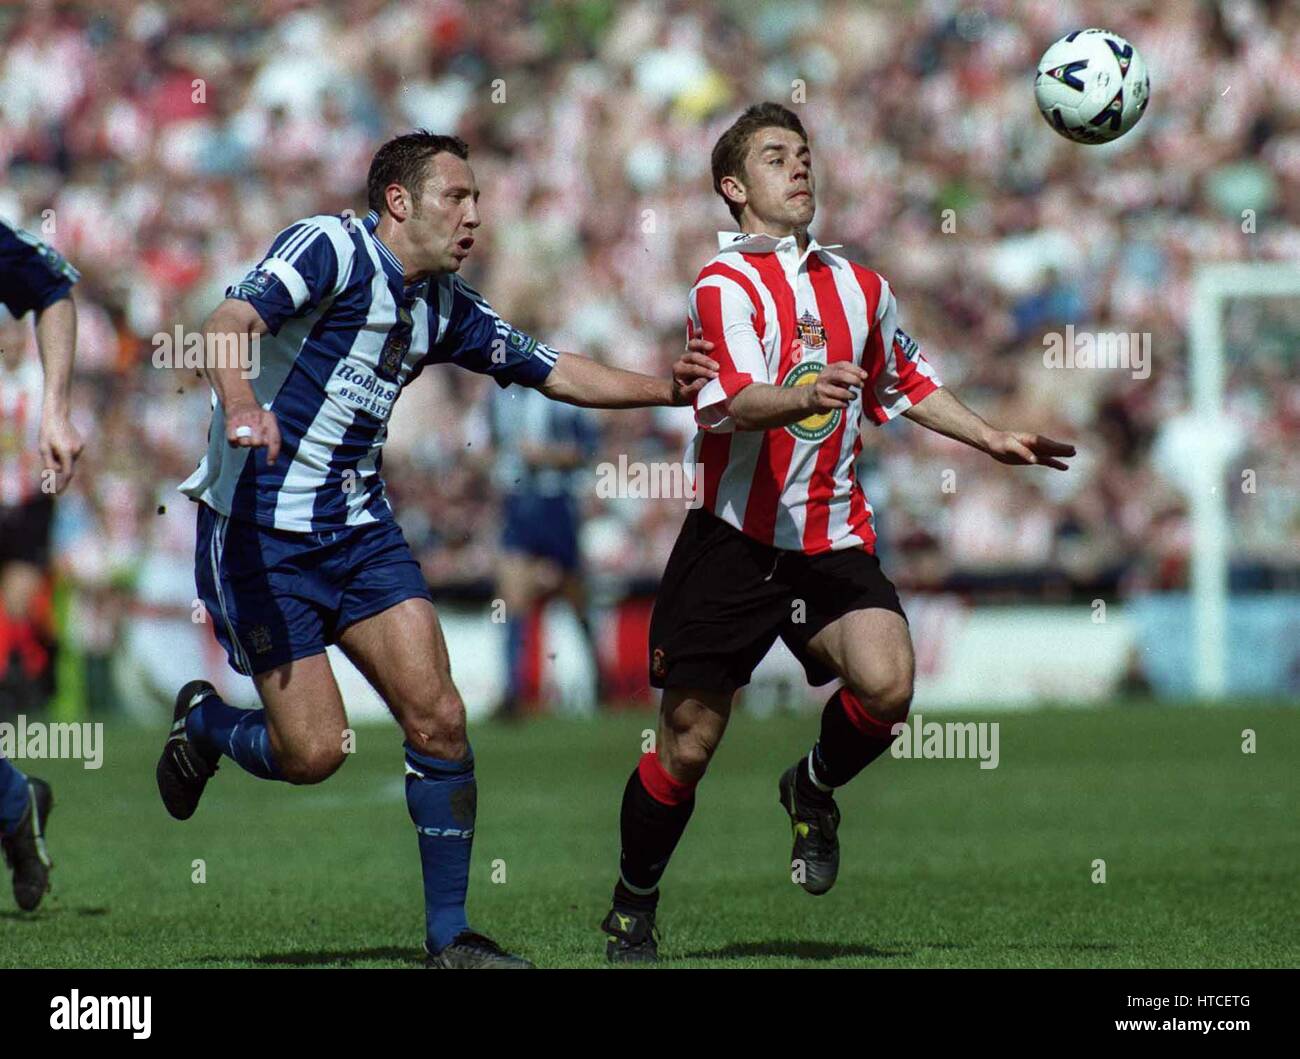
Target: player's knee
(887, 695)
(436, 725)
(312, 764)
(688, 755)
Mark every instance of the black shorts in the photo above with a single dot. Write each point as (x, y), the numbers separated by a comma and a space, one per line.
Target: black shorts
(726, 597)
(25, 531)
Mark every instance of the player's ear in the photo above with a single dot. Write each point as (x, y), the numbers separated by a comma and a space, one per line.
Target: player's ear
(399, 201)
(734, 190)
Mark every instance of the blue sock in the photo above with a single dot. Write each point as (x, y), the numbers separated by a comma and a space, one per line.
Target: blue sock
(514, 657)
(216, 728)
(13, 796)
(442, 797)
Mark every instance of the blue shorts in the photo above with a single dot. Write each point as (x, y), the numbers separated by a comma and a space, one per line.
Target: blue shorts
(544, 527)
(274, 596)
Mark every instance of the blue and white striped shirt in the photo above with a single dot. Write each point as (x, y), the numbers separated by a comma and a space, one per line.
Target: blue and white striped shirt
(33, 275)
(346, 335)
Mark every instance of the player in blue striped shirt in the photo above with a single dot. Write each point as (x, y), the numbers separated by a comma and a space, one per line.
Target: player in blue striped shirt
(297, 546)
(34, 277)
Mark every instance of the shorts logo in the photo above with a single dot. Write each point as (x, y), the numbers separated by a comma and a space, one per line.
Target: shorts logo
(819, 425)
(259, 639)
(658, 666)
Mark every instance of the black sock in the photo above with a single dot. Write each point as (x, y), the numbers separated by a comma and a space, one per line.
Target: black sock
(844, 748)
(650, 827)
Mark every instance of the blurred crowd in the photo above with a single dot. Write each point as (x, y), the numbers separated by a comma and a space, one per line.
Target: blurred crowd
(160, 146)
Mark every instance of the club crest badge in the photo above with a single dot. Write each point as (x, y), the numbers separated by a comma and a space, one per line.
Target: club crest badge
(811, 332)
(394, 352)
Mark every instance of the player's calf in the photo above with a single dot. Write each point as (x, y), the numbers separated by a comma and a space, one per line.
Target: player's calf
(657, 805)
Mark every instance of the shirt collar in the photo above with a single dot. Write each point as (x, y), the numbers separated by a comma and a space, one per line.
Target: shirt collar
(761, 243)
(392, 266)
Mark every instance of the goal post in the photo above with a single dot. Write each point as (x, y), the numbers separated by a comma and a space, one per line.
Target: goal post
(1214, 284)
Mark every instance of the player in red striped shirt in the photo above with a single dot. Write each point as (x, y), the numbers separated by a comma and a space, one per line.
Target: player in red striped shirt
(806, 344)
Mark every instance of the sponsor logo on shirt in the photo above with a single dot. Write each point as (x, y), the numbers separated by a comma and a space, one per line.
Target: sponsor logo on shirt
(819, 425)
(363, 390)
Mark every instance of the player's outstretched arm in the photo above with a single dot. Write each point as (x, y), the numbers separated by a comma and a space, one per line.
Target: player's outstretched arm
(248, 424)
(582, 381)
(56, 338)
(943, 413)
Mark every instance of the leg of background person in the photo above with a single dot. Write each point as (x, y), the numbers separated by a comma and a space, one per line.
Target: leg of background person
(660, 794)
(297, 737)
(25, 655)
(573, 587)
(401, 651)
(871, 650)
(13, 796)
(515, 589)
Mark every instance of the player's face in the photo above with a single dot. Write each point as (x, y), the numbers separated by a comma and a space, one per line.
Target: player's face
(779, 186)
(442, 227)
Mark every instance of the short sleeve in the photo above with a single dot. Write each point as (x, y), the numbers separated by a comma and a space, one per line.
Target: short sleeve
(900, 375)
(724, 313)
(301, 269)
(33, 275)
(477, 338)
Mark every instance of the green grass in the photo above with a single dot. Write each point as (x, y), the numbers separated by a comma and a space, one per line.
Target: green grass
(944, 864)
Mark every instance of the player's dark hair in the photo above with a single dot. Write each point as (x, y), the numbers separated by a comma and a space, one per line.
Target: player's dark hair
(402, 160)
(733, 145)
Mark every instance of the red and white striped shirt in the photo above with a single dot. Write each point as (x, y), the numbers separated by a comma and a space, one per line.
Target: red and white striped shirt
(777, 316)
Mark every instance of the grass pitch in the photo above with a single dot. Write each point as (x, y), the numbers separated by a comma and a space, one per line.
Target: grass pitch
(944, 864)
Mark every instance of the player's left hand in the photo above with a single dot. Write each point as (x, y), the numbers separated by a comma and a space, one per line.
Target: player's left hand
(692, 371)
(1008, 446)
(60, 445)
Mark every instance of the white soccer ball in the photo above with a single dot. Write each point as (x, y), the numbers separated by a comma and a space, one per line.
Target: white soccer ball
(1092, 86)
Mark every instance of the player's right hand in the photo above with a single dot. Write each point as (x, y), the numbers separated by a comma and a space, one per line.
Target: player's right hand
(837, 384)
(250, 426)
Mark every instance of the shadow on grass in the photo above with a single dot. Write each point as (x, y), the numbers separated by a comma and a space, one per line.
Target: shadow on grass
(50, 911)
(328, 957)
(800, 950)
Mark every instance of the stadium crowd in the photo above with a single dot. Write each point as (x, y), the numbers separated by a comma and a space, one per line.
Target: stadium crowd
(159, 147)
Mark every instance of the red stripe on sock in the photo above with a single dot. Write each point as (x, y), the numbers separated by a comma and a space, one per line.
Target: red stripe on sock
(659, 784)
(861, 720)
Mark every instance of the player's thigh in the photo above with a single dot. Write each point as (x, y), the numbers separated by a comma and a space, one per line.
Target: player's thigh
(691, 725)
(304, 717)
(403, 653)
(871, 651)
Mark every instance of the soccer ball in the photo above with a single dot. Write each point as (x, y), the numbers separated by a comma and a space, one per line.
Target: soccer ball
(1092, 86)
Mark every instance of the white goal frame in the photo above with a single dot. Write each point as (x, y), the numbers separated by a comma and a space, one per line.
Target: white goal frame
(1213, 285)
